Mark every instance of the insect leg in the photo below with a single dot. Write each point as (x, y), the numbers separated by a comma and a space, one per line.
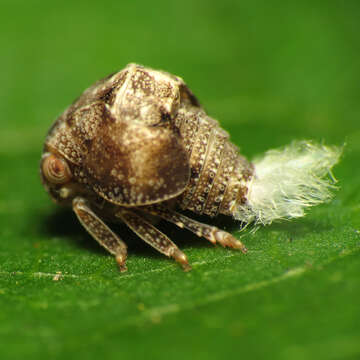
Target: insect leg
(153, 237)
(211, 233)
(100, 231)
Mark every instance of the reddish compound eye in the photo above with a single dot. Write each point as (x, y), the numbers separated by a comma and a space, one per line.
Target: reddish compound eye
(56, 170)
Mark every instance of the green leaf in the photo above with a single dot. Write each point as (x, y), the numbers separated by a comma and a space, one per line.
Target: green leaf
(271, 72)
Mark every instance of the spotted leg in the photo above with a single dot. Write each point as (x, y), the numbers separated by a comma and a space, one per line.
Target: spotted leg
(211, 233)
(100, 231)
(153, 236)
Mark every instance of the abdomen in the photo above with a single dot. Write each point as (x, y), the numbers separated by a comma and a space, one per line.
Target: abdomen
(219, 174)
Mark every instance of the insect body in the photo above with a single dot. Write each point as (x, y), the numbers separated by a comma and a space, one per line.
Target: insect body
(138, 142)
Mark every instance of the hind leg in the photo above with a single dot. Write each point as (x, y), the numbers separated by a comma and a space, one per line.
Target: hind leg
(211, 233)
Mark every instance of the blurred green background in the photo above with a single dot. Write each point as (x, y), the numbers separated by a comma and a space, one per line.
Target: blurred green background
(271, 72)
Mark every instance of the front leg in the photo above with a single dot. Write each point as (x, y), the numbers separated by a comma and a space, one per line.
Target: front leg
(100, 231)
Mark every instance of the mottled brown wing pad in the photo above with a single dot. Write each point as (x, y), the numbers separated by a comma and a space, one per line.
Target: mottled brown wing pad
(132, 165)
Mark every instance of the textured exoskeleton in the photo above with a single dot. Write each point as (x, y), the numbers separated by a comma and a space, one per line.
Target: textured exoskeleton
(138, 142)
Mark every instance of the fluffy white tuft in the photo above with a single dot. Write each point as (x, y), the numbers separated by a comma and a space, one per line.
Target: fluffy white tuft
(289, 180)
